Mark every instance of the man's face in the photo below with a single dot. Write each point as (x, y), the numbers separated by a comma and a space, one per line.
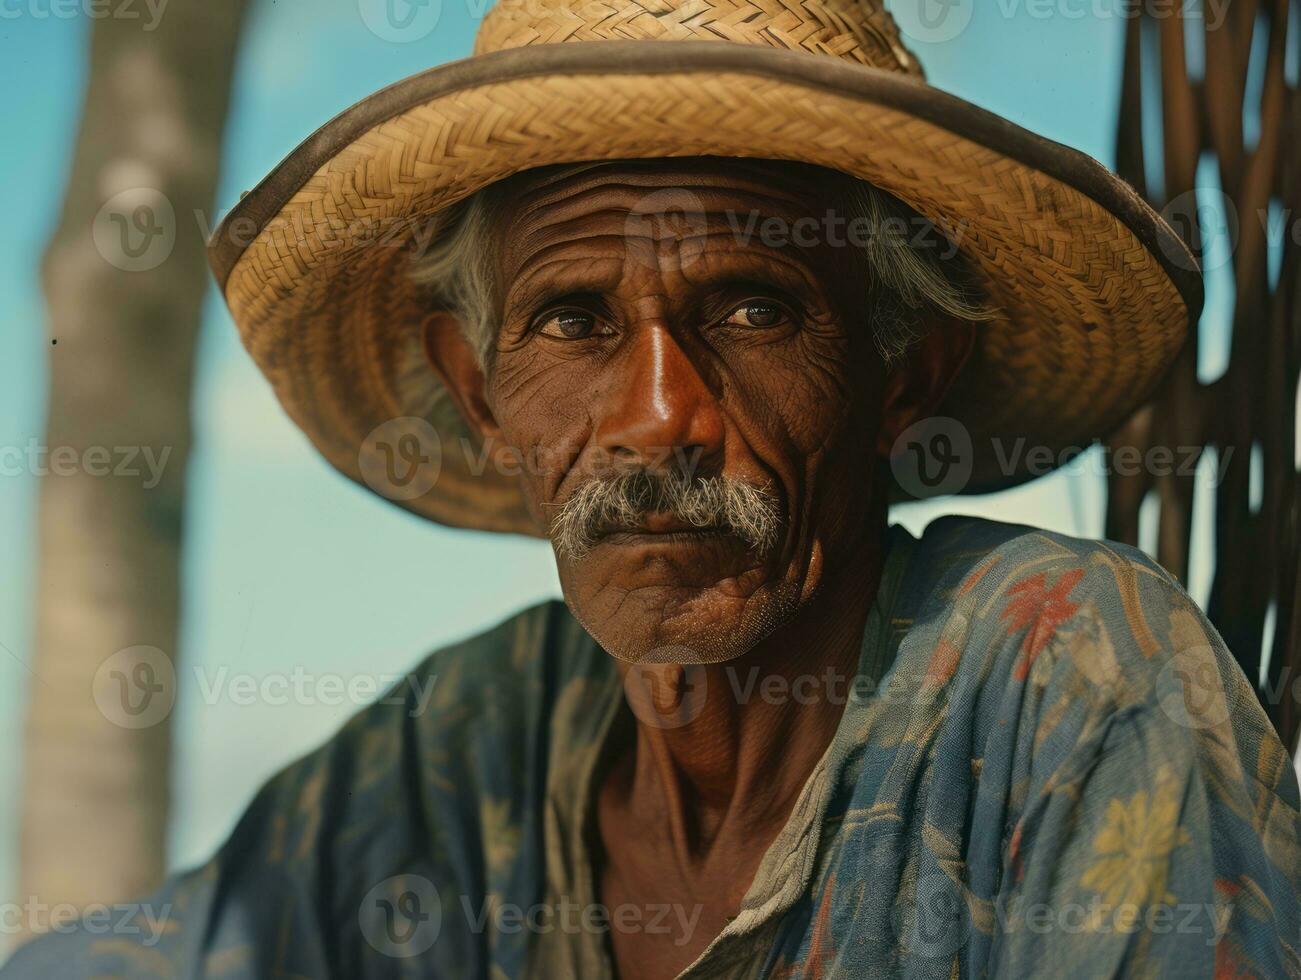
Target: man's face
(643, 329)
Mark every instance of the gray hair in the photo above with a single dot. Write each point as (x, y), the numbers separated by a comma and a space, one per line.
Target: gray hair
(907, 281)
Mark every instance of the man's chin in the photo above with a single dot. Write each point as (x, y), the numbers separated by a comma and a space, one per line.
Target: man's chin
(672, 625)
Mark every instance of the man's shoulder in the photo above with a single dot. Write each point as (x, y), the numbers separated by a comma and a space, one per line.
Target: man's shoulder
(501, 662)
(959, 541)
(518, 641)
(1029, 631)
(464, 718)
(493, 681)
(434, 777)
(959, 555)
(1031, 605)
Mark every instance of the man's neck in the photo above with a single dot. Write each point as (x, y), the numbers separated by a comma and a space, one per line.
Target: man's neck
(736, 768)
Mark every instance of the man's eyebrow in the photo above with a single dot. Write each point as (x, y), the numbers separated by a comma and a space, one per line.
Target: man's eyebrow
(539, 280)
(757, 264)
(729, 287)
(569, 267)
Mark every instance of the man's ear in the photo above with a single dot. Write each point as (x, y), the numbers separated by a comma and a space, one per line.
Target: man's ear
(916, 384)
(454, 361)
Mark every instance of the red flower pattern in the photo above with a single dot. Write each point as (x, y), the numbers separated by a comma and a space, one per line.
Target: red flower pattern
(1042, 608)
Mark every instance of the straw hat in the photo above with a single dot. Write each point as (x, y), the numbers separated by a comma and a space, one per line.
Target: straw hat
(1095, 291)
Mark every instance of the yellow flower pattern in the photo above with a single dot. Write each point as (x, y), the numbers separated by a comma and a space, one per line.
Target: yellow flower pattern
(1134, 845)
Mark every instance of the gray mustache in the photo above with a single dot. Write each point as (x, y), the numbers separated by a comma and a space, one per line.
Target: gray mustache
(602, 506)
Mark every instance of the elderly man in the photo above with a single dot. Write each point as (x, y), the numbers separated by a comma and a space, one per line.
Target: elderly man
(678, 306)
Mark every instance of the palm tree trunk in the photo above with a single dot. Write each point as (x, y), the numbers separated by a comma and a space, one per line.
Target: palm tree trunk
(124, 279)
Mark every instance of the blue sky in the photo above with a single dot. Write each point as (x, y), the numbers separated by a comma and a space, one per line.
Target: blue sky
(286, 562)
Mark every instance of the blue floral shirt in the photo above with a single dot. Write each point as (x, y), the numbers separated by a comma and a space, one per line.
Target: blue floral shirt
(1048, 765)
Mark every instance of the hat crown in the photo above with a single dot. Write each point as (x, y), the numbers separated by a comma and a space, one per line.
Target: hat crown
(861, 31)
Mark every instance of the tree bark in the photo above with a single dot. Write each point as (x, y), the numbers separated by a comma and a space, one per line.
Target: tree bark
(124, 278)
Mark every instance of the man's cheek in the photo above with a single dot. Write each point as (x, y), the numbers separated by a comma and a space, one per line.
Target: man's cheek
(803, 393)
(544, 420)
(544, 466)
(525, 384)
(810, 417)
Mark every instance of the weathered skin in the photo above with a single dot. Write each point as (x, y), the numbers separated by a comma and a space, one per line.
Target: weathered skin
(752, 361)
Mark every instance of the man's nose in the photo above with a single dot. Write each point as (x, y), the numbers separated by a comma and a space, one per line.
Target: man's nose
(659, 406)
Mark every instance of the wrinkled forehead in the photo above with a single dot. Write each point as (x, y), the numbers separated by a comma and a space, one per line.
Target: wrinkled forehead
(723, 203)
(780, 180)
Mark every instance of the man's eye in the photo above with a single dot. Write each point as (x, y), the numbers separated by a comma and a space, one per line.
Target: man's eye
(571, 325)
(757, 313)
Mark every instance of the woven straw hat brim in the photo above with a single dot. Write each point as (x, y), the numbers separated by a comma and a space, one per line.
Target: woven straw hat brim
(1095, 291)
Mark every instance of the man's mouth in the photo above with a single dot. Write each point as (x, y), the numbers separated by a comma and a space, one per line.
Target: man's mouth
(661, 528)
(665, 523)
